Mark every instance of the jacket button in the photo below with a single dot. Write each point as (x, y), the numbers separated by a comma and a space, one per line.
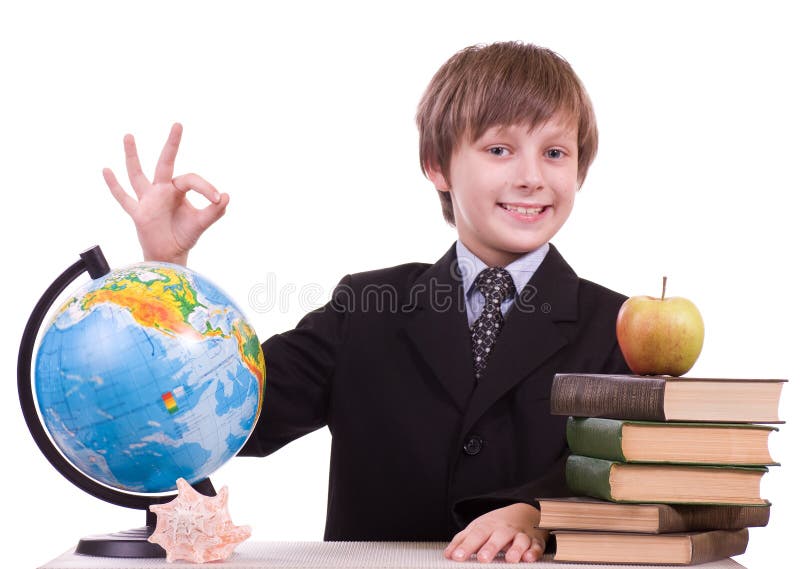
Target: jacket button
(473, 445)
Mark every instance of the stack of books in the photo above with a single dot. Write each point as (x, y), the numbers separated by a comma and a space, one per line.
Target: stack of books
(668, 470)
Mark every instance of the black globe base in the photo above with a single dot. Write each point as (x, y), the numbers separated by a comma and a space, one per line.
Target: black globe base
(133, 542)
(129, 543)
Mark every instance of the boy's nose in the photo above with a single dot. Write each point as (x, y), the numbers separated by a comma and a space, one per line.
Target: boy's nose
(529, 174)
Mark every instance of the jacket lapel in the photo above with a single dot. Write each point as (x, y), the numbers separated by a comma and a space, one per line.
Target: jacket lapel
(437, 331)
(437, 327)
(530, 334)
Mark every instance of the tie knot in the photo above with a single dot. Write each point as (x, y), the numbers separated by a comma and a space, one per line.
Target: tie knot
(495, 283)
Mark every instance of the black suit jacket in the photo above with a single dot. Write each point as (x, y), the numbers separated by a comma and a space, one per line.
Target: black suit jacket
(419, 448)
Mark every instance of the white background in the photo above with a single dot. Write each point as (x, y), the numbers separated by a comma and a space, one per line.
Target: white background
(304, 113)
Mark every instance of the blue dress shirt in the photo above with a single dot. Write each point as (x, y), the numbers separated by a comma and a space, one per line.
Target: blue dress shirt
(470, 266)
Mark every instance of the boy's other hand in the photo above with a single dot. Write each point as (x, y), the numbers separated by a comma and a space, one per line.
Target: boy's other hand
(511, 529)
(168, 225)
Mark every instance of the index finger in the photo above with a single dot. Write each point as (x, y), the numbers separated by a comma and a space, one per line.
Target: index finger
(166, 162)
(486, 544)
(134, 167)
(455, 542)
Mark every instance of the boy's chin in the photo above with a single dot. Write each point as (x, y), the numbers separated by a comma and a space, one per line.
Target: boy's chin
(522, 243)
(501, 254)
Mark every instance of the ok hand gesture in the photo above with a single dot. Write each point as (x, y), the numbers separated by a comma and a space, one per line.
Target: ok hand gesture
(168, 225)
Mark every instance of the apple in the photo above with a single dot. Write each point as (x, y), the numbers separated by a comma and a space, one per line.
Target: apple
(660, 336)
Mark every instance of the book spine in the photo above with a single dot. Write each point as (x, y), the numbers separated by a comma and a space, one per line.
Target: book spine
(595, 437)
(612, 396)
(589, 476)
(698, 518)
(713, 545)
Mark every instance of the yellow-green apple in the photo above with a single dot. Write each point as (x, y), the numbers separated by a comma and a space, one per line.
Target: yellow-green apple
(660, 336)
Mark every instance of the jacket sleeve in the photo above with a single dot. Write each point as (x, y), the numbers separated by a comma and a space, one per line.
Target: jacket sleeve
(551, 484)
(300, 365)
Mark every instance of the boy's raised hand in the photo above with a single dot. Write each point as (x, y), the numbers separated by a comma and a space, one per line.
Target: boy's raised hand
(511, 529)
(168, 225)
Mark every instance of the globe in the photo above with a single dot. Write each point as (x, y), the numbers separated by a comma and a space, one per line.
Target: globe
(148, 374)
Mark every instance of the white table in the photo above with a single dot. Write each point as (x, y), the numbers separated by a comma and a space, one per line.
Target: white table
(324, 555)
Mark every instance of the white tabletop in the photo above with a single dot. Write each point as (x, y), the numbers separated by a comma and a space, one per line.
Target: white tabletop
(322, 555)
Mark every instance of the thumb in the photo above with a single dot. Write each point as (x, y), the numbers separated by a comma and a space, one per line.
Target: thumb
(212, 212)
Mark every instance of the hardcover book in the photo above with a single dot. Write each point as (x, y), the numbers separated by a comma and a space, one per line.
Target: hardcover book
(662, 398)
(581, 513)
(677, 443)
(666, 484)
(677, 549)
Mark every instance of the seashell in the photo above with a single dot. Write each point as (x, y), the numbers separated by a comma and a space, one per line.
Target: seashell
(195, 527)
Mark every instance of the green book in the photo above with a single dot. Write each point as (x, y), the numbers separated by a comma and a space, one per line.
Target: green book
(735, 444)
(664, 483)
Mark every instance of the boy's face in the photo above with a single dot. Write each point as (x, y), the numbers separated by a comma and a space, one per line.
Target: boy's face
(513, 188)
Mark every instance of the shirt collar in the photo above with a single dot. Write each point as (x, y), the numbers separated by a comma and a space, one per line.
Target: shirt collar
(520, 270)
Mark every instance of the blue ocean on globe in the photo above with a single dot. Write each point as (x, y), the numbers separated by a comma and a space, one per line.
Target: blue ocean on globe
(149, 374)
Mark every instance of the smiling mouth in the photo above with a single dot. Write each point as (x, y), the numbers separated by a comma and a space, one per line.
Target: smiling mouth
(523, 210)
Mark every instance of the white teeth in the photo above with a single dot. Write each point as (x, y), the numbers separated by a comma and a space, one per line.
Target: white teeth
(523, 210)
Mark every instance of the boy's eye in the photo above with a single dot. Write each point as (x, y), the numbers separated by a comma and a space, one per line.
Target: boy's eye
(555, 153)
(498, 151)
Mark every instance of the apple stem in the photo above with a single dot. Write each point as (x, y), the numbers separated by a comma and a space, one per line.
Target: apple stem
(663, 287)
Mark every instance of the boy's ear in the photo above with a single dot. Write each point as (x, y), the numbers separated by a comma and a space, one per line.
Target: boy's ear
(435, 175)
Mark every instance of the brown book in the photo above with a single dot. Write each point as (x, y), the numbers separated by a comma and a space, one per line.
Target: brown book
(664, 483)
(581, 513)
(667, 548)
(662, 398)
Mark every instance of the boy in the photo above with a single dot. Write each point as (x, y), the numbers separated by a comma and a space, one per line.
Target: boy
(436, 427)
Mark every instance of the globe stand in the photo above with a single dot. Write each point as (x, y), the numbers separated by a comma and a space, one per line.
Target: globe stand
(131, 543)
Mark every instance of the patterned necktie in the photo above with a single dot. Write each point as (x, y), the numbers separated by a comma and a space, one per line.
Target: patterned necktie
(495, 284)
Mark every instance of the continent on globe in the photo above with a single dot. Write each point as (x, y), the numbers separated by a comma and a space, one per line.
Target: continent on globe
(147, 375)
